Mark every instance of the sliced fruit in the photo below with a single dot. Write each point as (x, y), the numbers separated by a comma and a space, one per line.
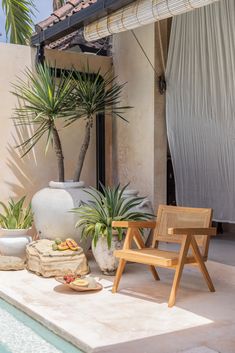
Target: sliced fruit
(58, 241)
(80, 282)
(72, 244)
(54, 247)
(63, 246)
(69, 279)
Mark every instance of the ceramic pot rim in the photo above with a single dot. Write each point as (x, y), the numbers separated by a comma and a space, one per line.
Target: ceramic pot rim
(69, 184)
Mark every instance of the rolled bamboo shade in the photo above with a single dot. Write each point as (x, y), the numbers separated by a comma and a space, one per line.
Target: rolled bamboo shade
(139, 13)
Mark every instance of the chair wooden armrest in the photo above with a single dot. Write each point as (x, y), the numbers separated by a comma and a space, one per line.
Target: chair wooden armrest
(192, 231)
(134, 224)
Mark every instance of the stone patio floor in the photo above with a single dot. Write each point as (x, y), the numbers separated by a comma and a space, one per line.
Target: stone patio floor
(137, 319)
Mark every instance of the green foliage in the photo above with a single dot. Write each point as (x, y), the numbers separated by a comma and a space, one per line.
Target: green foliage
(43, 100)
(18, 20)
(15, 216)
(96, 93)
(96, 216)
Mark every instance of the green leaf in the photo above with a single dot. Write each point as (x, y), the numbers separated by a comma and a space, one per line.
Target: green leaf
(43, 99)
(96, 216)
(16, 216)
(19, 21)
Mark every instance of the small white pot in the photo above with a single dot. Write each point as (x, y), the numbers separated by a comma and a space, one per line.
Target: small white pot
(14, 245)
(104, 256)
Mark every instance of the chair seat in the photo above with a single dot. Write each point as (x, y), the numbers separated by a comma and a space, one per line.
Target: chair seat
(151, 256)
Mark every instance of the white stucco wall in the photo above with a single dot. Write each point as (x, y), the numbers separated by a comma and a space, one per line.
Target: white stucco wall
(25, 176)
(136, 145)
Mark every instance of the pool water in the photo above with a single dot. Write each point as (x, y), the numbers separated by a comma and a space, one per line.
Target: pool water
(21, 334)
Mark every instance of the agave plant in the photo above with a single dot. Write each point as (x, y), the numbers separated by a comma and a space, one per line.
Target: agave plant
(96, 217)
(15, 216)
(43, 101)
(94, 94)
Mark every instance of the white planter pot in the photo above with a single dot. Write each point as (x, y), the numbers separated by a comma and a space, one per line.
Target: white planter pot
(13, 232)
(145, 207)
(104, 256)
(14, 245)
(51, 208)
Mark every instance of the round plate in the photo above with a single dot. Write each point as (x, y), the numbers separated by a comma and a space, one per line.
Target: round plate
(77, 288)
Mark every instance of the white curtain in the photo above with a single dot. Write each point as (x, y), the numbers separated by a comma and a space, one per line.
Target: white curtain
(201, 108)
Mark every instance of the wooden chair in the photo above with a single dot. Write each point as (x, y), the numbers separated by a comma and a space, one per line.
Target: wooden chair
(190, 227)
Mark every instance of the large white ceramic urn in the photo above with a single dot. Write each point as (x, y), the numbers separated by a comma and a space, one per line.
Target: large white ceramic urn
(52, 211)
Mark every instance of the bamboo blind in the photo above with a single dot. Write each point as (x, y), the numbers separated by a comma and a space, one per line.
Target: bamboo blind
(139, 13)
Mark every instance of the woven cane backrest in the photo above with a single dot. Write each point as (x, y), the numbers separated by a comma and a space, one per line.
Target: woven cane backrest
(182, 217)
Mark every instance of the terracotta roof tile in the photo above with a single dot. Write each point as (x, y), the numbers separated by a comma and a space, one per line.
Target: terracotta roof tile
(75, 38)
(71, 7)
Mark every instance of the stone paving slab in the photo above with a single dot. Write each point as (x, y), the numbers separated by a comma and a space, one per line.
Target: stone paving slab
(201, 349)
(136, 319)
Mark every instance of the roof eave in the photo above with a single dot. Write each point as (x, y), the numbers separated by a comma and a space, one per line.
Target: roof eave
(71, 23)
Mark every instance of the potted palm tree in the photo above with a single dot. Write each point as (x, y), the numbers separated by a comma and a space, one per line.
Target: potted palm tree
(96, 217)
(44, 101)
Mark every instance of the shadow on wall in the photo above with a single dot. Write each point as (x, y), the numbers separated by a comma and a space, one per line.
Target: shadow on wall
(31, 172)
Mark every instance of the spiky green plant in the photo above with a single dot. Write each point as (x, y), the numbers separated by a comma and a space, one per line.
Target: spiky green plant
(96, 216)
(19, 22)
(43, 100)
(16, 216)
(94, 94)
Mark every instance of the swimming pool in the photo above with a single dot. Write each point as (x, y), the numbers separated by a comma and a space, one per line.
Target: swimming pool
(21, 334)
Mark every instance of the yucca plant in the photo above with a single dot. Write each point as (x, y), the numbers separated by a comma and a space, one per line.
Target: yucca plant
(43, 100)
(96, 217)
(15, 216)
(94, 94)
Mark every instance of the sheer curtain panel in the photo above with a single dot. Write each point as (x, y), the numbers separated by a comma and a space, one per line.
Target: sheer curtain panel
(201, 108)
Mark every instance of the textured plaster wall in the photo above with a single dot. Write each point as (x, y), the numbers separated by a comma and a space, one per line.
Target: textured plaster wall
(135, 150)
(26, 176)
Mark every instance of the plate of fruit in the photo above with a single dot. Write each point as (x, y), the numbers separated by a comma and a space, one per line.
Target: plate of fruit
(80, 284)
(68, 244)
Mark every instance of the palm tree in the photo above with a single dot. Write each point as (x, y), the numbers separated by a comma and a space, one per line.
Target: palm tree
(19, 18)
(93, 95)
(43, 101)
(19, 21)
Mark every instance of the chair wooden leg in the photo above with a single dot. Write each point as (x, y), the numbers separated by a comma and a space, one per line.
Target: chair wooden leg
(121, 266)
(154, 272)
(178, 271)
(175, 286)
(201, 265)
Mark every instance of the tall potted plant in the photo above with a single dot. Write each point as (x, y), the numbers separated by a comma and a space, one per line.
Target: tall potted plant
(44, 100)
